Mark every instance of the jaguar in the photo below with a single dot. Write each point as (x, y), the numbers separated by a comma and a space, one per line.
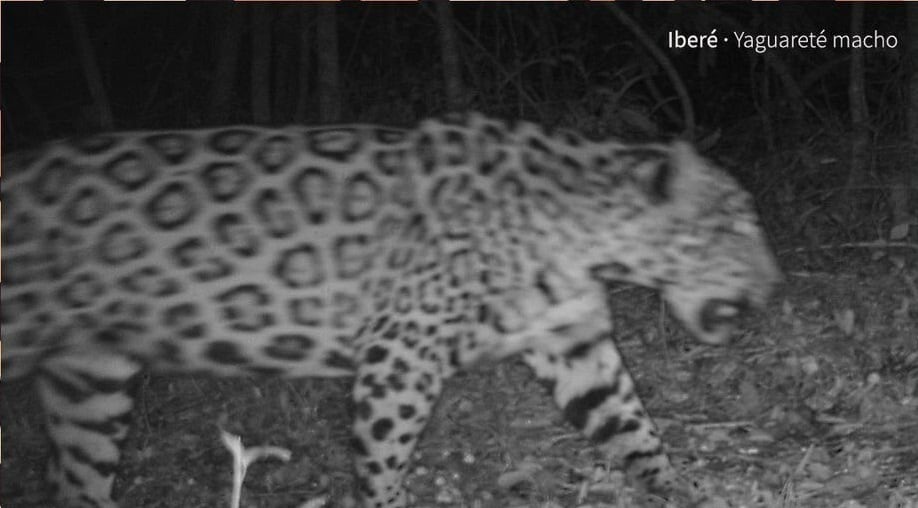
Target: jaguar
(395, 256)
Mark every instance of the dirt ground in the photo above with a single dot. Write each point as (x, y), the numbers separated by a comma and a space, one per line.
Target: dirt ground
(816, 405)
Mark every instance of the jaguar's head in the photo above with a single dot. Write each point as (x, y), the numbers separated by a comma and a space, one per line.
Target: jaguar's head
(682, 225)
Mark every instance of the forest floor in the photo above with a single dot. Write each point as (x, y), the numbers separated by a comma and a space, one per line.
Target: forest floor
(815, 406)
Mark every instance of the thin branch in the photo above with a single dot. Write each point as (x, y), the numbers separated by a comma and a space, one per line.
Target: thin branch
(665, 63)
(494, 61)
(854, 245)
(90, 67)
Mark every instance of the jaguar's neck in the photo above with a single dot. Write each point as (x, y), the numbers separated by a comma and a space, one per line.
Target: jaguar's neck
(522, 193)
(521, 239)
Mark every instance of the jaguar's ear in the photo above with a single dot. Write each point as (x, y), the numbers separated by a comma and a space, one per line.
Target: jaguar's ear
(655, 177)
(675, 170)
(679, 173)
(683, 154)
(690, 169)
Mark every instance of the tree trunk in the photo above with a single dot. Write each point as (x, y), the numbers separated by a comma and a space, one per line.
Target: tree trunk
(327, 62)
(227, 47)
(90, 66)
(449, 55)
(261, 64)
(303, 65)
(284, 70)
(860, 116)
(902, 196)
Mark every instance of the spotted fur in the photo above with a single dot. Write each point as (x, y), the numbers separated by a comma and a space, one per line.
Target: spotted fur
(393, 256)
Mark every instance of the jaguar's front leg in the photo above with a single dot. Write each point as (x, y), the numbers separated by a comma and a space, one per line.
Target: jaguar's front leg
(594, 390)
(392, 407)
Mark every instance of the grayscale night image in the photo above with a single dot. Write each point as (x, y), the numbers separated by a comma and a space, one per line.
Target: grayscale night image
(459, 254)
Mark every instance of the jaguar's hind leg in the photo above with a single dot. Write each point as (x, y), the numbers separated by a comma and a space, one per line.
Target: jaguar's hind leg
(87, 406)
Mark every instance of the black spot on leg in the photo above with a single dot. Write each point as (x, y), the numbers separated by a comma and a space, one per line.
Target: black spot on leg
(107, 427)
(609, 428)
(392, 332)
(409, 343)
(651, 471)
(406, 438)
(73, 479)
(363, 485)
(363, 410)
(391, 462)
(373, 467)
(376, 354)
(579, 351)
(78, 455)
(578, 408)
(379, 324)
(406, 411)
(381, 428)
(641, 455)
(631, 426)
(359, 447)
(65, 388)
(401, 366)
(395, 382)
(549, 384)
(106, 468)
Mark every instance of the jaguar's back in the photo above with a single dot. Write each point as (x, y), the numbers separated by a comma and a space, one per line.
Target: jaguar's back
(199, 250)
